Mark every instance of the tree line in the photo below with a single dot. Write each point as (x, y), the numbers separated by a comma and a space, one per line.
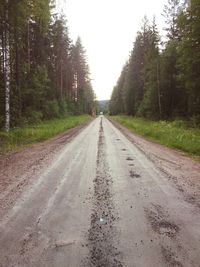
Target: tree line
(42, 73)
(162, 80)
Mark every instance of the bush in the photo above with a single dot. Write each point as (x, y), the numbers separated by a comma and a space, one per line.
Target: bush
(195, 121)
(63, 108)
(34, 117)
(179, 124)
(19, 137)
(1, 122)
(51, 110)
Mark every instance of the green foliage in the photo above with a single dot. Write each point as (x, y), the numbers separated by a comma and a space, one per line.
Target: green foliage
(175, 134)
(195, 121)
(165, 84)
(48, 73)
(63, 108)
(33, 116)
(19, 137)
(51, 109)
(84, 95)
(189, 56)
(137, 89)
(103, 106)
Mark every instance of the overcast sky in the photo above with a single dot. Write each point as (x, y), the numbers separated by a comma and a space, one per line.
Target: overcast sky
(108, 29)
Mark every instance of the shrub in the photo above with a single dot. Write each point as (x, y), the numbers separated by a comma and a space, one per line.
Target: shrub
(63, 108)
(1, 122)
(51, 109)
(195, 121)
(34, 117)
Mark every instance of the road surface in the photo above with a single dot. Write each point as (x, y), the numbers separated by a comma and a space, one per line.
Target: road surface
(101, 202)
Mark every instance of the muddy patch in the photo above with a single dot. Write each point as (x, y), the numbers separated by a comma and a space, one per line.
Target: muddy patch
(160, 222)
(167, 231)
(123, 149)
(102, 235)
(134, 174)
(129, 159)
(170, 257)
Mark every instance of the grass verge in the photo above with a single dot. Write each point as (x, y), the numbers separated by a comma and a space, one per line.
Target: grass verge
(20, 137)
(174, 134)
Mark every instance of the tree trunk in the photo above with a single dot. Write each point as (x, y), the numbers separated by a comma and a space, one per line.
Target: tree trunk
(158, 87)
(7, 71)
(28, 46)
(61, 80)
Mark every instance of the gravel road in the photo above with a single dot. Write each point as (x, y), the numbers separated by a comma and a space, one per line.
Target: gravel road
(105, 198)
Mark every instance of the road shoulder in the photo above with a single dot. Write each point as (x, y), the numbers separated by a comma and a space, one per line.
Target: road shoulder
(180, 169)
(17, 168)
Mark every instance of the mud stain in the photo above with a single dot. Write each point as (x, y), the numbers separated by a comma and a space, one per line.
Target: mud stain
(134, 175)
(159, 222)
(168, 230)
(170, 257)
(129, 159)
(25, 243)
(102, 235)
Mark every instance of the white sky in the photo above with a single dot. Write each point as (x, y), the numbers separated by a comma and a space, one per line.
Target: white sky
(108, 29)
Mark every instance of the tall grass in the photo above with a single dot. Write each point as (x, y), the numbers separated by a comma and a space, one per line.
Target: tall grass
(20, 137)
(174, 134)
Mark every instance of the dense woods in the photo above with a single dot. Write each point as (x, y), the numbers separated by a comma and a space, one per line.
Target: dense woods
(161, 80)
(42, 73)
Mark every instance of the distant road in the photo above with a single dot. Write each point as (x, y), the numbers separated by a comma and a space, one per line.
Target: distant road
(107, 198)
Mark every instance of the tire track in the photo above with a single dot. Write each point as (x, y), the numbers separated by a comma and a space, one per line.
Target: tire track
(102, 235)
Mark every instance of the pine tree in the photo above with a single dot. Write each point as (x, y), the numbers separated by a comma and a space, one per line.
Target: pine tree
(151, 103)
(189, 56)
(82, 83)
(37, 65)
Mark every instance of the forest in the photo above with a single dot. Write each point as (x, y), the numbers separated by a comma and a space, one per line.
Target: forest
(43, 75)
(161, 79)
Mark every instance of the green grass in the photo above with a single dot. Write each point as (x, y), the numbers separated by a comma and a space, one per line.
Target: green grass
(174, 134)
(20, 137)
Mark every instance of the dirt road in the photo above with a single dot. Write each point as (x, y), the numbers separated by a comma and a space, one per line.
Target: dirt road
(106, 199)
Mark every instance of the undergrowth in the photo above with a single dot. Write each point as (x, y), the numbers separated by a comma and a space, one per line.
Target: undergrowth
(19, 137)
(175, 134)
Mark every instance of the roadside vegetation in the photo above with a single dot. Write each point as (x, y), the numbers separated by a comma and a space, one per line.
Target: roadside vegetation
(176, 134)
(20, 137)
(43, 74)
(160, 81)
